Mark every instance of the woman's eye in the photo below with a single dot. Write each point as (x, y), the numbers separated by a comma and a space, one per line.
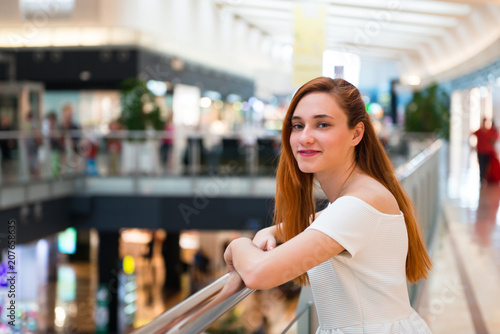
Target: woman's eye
(323, 125)
(297, 126)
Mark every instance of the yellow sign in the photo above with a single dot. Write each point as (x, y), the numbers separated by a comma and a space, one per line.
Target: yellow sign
(310, 21)
(128, 265)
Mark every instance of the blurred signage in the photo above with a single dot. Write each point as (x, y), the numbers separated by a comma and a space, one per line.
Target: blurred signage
(186, 105)
(66, 284)
(310, 22)
(127, 297)
(66, 241)
(39, 9)
(128, 265)
(101, 315)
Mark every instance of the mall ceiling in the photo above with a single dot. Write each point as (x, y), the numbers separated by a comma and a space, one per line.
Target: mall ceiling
(424, 35)
(431, 40)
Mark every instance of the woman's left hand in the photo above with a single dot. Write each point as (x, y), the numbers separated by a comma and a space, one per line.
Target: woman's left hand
(228, 254)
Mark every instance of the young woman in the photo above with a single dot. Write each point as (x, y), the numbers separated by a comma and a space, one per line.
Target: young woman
(359, 252)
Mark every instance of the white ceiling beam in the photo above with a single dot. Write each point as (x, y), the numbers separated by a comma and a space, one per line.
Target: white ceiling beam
(383, 39)
(466, 33)
(424, 58)
(397, 47)
(390, 15)
(434, 47)
(494, 10)
(410, 28)
(421, 7)
(431, 5)
(377, 51)
(483, 17)
(389, 35)
(451, 43)
(346, 24)
(366, 16)
(472, 2)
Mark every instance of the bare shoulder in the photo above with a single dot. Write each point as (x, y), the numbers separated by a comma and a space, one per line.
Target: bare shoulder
(375, 194)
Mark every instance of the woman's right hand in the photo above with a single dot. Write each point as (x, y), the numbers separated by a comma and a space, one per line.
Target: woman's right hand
(265, 239)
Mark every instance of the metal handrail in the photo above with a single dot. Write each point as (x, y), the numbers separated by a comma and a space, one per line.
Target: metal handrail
(200, 310)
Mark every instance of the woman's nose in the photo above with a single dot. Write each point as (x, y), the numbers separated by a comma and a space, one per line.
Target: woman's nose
(306, 137)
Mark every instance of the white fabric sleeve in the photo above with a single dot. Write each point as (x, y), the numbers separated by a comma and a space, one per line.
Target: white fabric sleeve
(349, 221)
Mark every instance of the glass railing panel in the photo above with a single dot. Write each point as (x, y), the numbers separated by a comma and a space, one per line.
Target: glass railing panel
(56, 154)
(301, 324)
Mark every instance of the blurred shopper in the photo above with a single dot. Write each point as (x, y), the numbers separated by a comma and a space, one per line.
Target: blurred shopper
(212, 143)
(360, 251)
(114, 148)
(54, 134)
(493, 170)
(150, 268)
(200, 274)
(486, 138)
(385, 131)
(167, 144)
(69, 128)
(7, 144)
(89, 148)
(31, 141)
(70, 134)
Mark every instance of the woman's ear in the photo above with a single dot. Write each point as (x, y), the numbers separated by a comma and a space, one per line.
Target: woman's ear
(358, 133)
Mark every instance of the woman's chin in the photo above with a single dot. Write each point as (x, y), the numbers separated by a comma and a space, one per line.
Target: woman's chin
(307, 169)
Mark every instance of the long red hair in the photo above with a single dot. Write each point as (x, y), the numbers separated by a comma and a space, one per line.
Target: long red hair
(295, 203)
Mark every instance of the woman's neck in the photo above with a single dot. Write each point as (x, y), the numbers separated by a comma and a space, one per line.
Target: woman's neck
(334, 183)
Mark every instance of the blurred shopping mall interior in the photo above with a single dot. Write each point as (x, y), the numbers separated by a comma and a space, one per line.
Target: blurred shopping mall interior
(138, 138)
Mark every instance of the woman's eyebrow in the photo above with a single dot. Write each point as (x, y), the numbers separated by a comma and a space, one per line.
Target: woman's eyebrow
(315, 116)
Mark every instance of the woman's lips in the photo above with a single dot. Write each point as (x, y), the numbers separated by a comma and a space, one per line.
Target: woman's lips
(308, 153)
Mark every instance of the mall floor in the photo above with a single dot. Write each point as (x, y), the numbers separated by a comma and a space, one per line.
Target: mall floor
(462, 293)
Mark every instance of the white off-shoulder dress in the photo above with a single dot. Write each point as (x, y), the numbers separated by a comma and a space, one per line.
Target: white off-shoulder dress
(364, 288)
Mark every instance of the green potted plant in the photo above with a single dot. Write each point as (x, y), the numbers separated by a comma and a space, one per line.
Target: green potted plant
(429, 112)
(140, 112)
(139, 108)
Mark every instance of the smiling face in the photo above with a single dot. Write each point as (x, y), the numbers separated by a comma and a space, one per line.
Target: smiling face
(320, 139)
